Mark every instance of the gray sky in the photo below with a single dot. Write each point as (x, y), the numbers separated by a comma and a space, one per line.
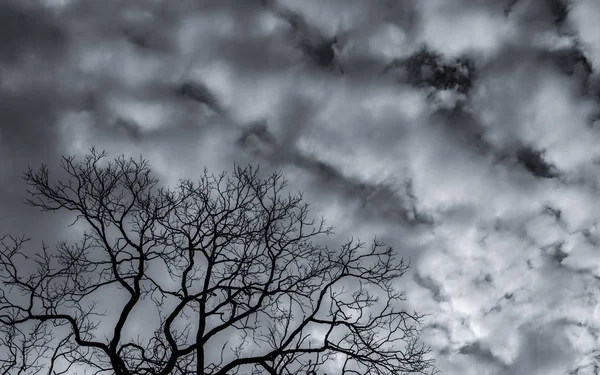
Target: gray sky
(463, 132)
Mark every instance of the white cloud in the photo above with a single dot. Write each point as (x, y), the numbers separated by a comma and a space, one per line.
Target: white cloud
(504, 261)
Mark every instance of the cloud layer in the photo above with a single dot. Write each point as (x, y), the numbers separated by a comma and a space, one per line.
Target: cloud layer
(463, 132)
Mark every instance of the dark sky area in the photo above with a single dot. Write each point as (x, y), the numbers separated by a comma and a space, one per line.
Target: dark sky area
(466, 133)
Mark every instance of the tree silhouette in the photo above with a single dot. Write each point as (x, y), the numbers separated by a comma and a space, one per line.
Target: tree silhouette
(223, 275)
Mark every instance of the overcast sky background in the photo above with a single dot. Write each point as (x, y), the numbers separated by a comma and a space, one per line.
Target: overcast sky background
(463, 132)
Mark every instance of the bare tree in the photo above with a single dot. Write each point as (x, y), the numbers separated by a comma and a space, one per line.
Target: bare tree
(223, 275)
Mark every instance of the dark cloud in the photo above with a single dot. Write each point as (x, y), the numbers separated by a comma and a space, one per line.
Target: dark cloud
(544, 348)
(460, 125)
(428, 69)
(559, 10)
(461, 130)
(431, 285)
(481, 354)
(201, 94)
(27, 30)
(533, 161)
(32, 46)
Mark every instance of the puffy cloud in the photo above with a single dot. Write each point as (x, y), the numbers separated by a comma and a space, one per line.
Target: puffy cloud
(462, 132)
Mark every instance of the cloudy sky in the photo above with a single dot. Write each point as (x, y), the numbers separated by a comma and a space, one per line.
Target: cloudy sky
(463, 132)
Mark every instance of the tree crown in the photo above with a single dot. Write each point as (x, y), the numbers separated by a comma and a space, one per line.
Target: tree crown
(225, 274)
